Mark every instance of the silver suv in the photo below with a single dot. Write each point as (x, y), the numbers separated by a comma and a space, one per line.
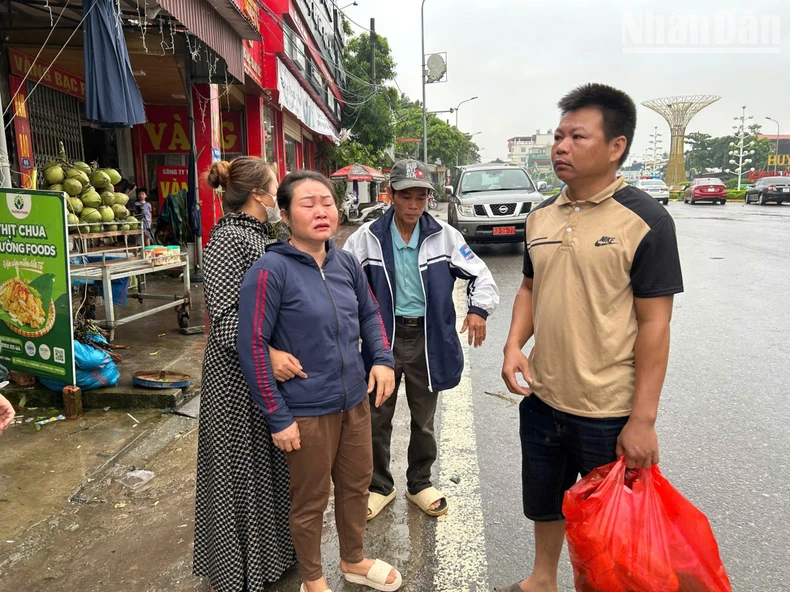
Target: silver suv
(490, 203)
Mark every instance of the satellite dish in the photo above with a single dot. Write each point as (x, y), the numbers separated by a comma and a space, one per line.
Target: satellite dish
(437, 68)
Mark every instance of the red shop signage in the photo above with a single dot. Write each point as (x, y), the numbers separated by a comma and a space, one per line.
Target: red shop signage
(167, 131)
(22, 64)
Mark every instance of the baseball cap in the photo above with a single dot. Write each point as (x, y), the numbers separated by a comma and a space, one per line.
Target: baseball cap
(410, 173)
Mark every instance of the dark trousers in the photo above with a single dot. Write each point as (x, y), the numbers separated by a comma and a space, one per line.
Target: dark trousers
(335, 450)
(409, 352)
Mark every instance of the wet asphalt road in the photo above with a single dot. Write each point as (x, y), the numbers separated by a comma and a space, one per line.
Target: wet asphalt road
(725, 410)
(723, 429)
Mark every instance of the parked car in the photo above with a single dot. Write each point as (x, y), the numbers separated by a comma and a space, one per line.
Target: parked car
(655, 188)
(490, 203)
(769, 189)
(706, 189)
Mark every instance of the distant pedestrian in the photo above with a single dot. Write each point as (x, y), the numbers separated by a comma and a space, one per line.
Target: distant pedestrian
(312, 300)
(242, 538)
(412, 261)
(601, 268)
(145, 212)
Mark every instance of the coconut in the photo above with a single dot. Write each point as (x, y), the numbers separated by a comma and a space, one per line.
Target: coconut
(54, 174)
(115, 176)
(73, 173)
(91, 199)
(74, 204)
(95, 228)
(90, 215)
(110, 227)
(56, 187)
(124, 227)
(72, 219)
(83, 166)
(72, 186)
(100, 179)
(121, 198)
(121, 213)
(107, 215)
(108, 198)
(133, 223)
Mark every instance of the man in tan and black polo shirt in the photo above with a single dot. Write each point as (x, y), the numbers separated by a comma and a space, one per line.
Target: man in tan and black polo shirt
(601, 267)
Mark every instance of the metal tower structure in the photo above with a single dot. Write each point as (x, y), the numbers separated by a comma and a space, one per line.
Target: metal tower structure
(678, 111)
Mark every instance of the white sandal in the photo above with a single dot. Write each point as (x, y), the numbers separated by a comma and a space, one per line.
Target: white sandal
(377, 577)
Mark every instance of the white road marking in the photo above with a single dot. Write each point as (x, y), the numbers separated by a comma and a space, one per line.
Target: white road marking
(460, 534)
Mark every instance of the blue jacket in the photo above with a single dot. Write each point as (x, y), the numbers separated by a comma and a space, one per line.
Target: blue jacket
(318, 315)
(443, 256)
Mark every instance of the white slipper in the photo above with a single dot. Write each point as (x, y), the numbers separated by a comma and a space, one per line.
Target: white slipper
(303, 589)
(377, 577)
(377, 502)
(426, 498)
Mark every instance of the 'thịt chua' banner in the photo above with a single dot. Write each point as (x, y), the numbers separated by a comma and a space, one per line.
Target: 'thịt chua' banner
(36, 334)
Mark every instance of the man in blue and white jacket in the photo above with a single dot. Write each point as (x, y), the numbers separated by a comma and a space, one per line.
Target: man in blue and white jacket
(412, 261)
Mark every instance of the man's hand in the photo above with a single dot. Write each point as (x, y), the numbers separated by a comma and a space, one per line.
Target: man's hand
(7, 413)
(516, 363)
(638, 442)
(285, 366)
(382, 379)
(288, 440)
(477, 329)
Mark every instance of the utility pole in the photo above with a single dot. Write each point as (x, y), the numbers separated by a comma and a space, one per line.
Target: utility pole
(373, 41)
(424, 112)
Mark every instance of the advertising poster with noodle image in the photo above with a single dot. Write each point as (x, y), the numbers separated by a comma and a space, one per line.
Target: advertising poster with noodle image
(36, 334)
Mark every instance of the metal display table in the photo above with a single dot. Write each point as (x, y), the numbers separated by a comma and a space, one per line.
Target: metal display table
(127, 261)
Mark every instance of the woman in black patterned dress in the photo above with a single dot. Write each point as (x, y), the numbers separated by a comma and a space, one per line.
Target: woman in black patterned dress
(242, 538)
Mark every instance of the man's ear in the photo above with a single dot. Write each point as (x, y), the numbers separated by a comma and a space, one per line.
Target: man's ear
(616, 148)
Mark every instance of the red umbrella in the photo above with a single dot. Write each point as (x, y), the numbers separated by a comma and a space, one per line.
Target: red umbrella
(358, 172)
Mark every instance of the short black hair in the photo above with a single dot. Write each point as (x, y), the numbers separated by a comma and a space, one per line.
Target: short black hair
(285, 191)
(142, 190)
(617, 108)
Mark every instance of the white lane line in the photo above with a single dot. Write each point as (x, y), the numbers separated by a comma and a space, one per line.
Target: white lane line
(460, 534)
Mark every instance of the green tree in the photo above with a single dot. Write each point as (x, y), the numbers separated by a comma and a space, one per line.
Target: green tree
(367, 113)
(445, 143)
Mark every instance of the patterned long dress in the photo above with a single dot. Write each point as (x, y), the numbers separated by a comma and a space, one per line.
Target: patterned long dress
(242, 538)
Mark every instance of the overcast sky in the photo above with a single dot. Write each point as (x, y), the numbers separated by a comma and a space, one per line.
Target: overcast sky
(521, 56)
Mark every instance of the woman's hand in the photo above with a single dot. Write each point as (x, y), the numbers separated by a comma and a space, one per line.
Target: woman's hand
(285, 366)
(382, 379)
(288, 440)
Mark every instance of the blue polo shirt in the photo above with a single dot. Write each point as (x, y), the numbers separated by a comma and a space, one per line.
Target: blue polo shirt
(409, 297)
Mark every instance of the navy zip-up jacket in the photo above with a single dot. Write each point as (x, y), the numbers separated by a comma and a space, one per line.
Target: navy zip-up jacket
(318, 315)
(443, 257)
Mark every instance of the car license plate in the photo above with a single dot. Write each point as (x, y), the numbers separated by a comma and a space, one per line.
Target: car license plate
(785, 189)
(711, 189)
(505, 230)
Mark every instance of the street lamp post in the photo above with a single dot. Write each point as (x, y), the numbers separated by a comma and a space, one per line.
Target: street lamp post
(458, 107)
(776, 162)
(424, 112)
(741, 149)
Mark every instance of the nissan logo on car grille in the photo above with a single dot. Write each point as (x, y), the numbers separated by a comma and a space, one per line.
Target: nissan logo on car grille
(503, 209)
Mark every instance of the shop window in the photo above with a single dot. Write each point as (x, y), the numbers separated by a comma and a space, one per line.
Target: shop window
(268, 124)
(292, 148)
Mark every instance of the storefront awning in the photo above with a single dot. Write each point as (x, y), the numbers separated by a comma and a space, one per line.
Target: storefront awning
(112, 97)
(203, 21)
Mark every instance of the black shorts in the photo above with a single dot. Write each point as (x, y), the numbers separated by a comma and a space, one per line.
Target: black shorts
(556, 448)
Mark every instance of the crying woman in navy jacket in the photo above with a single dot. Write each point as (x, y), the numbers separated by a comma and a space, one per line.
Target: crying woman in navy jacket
(309, 299)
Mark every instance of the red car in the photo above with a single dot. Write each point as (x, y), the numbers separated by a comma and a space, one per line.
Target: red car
(707, 189)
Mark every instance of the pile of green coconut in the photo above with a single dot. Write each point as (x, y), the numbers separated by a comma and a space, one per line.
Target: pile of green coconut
(93, 204)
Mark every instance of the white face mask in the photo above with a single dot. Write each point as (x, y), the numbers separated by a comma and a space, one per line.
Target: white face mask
(273, 213)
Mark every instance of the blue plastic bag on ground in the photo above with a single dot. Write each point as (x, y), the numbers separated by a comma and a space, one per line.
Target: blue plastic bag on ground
(95, 369)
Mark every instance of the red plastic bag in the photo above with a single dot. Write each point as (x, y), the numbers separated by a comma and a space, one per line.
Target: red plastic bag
(631, 531)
